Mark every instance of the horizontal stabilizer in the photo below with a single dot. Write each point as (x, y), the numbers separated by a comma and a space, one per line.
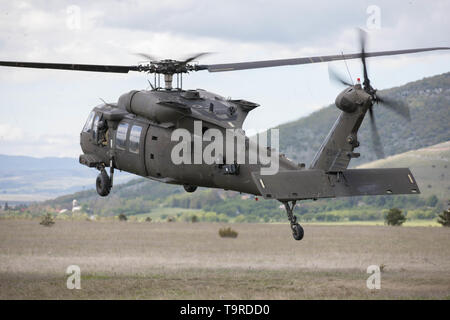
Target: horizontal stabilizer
(314, 184)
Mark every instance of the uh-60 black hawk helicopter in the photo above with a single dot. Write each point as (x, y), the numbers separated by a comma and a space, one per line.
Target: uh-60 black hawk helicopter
(135, 135)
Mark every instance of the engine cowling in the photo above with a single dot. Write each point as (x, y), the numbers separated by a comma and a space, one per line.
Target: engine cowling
(158, 107)
(351, 98)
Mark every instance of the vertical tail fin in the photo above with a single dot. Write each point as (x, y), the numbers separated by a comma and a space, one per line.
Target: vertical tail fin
(336, 151)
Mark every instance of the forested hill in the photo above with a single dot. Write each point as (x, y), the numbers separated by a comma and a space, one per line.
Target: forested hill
(429, 100)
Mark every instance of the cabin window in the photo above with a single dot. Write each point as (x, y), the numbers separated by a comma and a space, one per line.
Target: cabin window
(88, 125)
(135, 137)
(121, 135)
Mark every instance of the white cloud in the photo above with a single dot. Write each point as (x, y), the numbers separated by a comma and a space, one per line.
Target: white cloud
(41, 146)
(14, 141)
(10, 133)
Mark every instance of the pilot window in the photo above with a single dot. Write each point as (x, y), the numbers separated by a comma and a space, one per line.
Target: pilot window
(121, 135)
(135, 137)
(95, 129)
(88, 125)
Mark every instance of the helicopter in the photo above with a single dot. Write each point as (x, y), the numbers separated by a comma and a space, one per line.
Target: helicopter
(136, 135)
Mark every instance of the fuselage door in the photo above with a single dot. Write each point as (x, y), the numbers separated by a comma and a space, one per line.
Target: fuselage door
(130, 146)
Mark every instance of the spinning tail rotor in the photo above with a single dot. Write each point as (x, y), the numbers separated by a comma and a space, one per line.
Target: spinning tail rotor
(397, 106)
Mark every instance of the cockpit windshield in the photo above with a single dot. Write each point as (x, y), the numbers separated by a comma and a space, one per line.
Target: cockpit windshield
(88, 125)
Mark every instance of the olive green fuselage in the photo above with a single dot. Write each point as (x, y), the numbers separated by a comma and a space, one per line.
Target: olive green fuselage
(157, 114)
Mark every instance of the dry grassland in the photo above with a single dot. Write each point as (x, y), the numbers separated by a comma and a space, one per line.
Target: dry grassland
(124, 260)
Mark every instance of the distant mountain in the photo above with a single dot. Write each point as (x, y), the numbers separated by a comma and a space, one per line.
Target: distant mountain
(429, 100)
(430, 166)
(24, 179)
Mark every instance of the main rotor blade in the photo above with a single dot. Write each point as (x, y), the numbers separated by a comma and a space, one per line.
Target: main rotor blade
(146, 56)
(398, 106)
(336, 77)
(198, 55)
(306, 60)
(376, 140)
(68, 66)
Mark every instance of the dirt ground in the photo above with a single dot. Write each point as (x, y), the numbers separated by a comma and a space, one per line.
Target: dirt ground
(124, 260)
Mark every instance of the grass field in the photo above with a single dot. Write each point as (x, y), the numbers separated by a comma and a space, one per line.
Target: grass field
(129, 260)
(157, 213)
(407, 223)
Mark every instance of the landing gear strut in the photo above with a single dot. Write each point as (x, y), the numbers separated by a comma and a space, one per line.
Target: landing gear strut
(297, 230)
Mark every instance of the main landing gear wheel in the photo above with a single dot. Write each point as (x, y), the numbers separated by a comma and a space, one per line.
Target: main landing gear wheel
(189, 188)
(103, 183)
(297, 230)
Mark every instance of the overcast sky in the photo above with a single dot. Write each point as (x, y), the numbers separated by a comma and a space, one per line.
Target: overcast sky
(43, 111)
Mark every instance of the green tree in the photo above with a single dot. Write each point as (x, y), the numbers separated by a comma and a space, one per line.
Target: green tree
(444, 218)
(395, 217)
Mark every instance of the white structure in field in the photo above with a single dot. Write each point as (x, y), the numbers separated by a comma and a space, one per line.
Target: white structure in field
(75, 206)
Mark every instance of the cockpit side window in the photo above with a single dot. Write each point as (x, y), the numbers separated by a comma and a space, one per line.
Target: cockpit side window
(135, 137)
(121, 135)
(95, 128)
(88, 125)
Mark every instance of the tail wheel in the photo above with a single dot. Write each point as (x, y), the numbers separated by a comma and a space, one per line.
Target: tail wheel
(103, 184)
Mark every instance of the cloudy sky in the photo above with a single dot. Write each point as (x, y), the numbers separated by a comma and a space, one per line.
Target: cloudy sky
(43, 111)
